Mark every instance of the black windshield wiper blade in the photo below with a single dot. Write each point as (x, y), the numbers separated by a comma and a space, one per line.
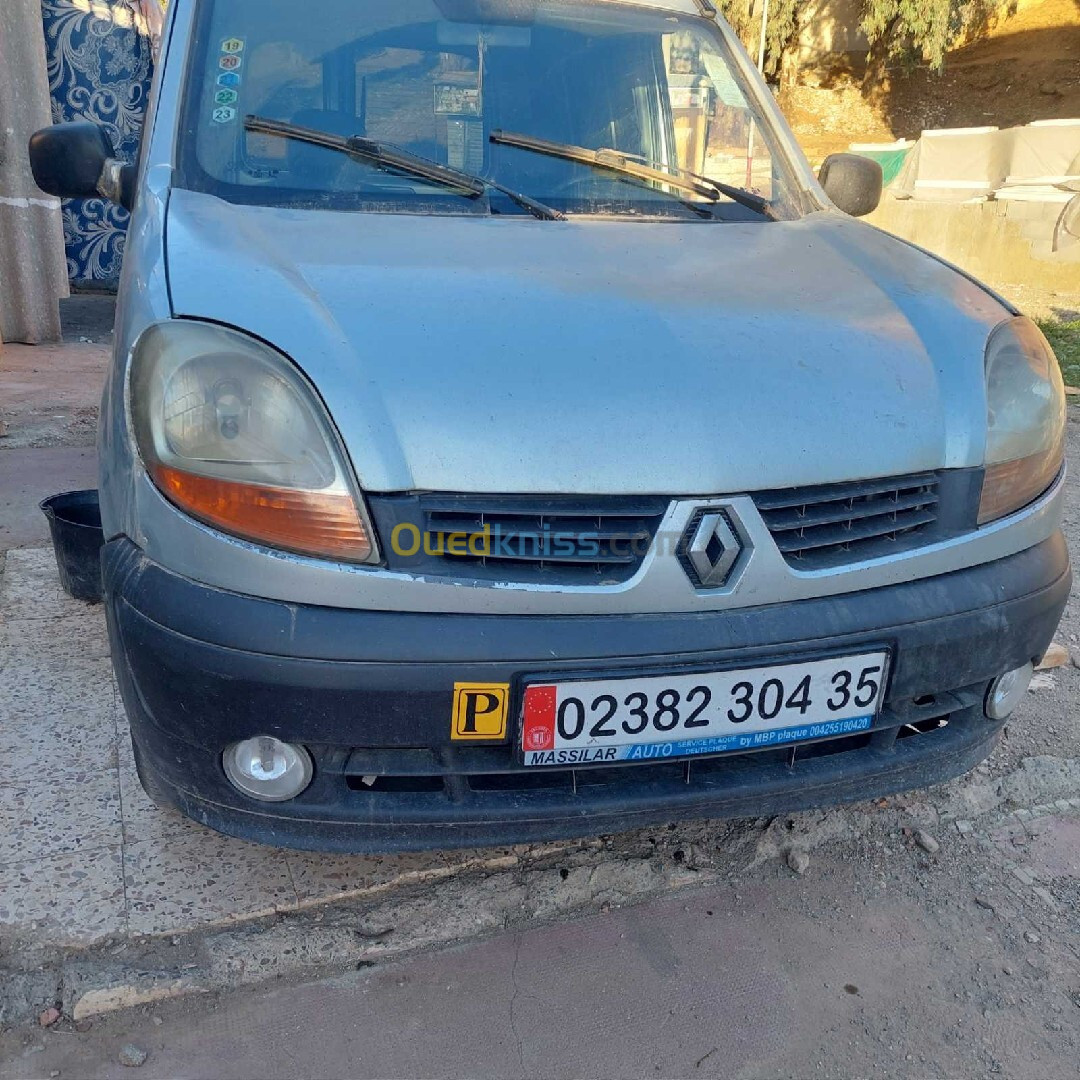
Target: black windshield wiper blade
(750, 199)
(611, 161)
(384, 156)
(627, 164)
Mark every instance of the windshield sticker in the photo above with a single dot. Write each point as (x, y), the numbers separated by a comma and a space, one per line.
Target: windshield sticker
(228, 80)
(451, 100)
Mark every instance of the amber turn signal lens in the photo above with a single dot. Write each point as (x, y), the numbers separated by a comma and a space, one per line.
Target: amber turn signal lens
(1011, 485)
(309, 522)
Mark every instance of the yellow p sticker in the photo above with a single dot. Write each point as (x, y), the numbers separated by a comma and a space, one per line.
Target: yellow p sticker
(480, 710)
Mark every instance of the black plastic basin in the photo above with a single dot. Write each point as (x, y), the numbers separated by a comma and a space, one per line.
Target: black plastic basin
(75, 524)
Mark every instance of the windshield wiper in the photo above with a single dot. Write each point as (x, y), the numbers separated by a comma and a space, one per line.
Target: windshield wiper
(386, 157)
(621, 164)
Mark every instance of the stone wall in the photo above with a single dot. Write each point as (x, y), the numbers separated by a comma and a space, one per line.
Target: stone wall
(1003, 242)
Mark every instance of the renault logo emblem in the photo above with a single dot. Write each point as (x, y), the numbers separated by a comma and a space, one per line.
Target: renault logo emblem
(711, 548)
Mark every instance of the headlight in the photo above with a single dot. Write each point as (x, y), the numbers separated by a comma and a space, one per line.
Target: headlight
(1025, 442)
(231, 433)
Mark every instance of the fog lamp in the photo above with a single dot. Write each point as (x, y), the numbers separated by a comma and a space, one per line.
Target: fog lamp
(267, 768)
(1007, 690)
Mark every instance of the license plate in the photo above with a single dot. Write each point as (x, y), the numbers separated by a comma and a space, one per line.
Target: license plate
(669, 716)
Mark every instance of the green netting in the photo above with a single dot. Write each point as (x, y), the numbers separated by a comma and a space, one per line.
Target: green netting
(891, 161)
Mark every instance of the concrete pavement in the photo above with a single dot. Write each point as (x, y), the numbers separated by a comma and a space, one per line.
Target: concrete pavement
(874, 964)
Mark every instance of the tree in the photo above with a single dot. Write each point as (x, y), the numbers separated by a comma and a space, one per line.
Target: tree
(745, 17)
(909, 30)
(899, 30)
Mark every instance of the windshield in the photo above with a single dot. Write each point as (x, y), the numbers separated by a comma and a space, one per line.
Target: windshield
(472, 85)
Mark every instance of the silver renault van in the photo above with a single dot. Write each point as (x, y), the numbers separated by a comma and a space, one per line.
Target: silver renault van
(508, 437)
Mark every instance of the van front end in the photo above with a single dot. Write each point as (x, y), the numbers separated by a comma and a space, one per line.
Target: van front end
(509, 438)
(330, 728)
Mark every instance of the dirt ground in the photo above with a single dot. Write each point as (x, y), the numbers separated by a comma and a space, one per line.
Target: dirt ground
(49, 394)
(1026, 68)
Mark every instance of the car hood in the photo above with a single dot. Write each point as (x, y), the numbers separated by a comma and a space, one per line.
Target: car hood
(506, 354)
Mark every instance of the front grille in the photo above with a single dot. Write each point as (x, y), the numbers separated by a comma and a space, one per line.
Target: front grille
(557, 540)
(548, 539)
(835, 524)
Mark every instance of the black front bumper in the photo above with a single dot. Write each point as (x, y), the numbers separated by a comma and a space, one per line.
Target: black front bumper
(369, 693)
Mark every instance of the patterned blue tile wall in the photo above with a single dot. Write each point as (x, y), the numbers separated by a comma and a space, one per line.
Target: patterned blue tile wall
(99, 63)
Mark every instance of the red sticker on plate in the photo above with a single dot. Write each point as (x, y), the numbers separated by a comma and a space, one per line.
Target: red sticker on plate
(538, 727)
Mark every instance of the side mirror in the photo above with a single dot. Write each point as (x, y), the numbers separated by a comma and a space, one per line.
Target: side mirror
(76, 161)
(854, 183)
